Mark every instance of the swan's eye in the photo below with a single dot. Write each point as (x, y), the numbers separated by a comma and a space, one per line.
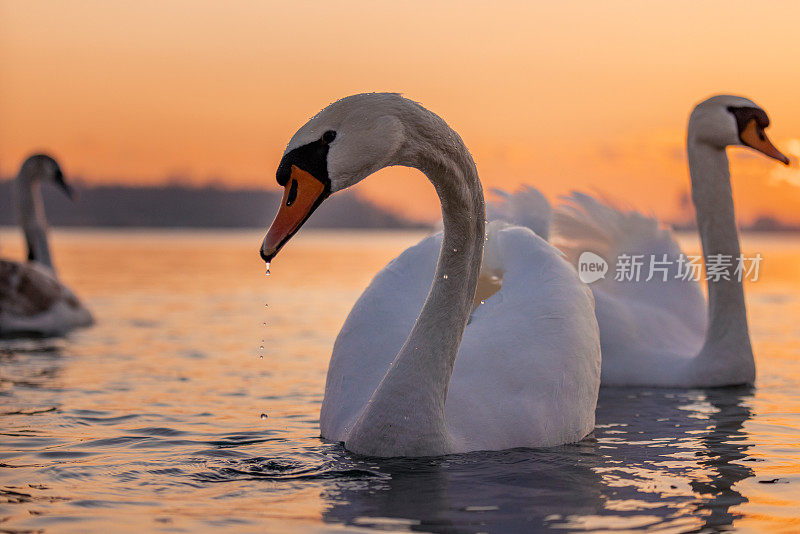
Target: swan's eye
(292, 196)
(328, 137)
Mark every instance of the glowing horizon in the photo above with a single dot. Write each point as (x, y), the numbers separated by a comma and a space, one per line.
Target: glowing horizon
(579, 96)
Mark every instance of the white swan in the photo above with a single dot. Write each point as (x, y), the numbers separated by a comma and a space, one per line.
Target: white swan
(527, 371)
(662, 333)
(32, 300)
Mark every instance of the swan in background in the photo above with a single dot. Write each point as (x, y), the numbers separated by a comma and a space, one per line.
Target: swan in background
(32, 300)
(407, 376)
(662, 333)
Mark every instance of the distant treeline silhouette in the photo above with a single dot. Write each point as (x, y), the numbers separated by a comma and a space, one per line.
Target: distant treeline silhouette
(185, 206)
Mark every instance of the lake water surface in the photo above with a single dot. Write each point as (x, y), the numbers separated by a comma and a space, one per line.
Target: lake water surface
(169, 416)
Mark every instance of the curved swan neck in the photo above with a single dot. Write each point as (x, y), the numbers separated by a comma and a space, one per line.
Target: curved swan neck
(32, 219)
(405, 415)
(727, 335)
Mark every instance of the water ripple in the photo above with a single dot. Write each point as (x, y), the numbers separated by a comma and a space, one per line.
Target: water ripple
(150, 421)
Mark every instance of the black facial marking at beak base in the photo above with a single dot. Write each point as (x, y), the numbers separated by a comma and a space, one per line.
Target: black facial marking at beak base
(750, 124)
(312, 158)
(744, 115)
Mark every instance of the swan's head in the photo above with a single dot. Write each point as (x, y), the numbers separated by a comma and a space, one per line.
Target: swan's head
(340, 146)
(726, 120)
(45, 168)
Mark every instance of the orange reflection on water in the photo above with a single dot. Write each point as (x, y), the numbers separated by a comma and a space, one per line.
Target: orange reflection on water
(152, 418)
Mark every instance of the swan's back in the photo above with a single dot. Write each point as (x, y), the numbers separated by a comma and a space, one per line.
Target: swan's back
(528, 367)
(526, 207)
(647, 328)
(33, 301)
(528, 370)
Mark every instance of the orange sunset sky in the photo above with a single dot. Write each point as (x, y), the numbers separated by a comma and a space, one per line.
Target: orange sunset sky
(562, 95)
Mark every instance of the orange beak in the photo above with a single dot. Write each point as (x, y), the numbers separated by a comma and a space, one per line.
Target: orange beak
(756, 138)
(301, 196)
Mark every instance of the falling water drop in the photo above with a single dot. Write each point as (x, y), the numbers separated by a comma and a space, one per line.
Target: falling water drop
(267, 268)
(261, 357)
(261, 347)
(264, 416)
(264, 324)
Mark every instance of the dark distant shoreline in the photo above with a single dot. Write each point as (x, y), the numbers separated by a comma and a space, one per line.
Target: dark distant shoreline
(183, 206)
(180, 206)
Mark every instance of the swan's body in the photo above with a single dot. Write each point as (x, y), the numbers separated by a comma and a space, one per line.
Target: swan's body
(526, 370)
(663, 333)
(649, 331)
(522, 376)
(32, 300)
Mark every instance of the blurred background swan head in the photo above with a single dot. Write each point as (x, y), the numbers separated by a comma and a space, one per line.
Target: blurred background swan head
(45, 168)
